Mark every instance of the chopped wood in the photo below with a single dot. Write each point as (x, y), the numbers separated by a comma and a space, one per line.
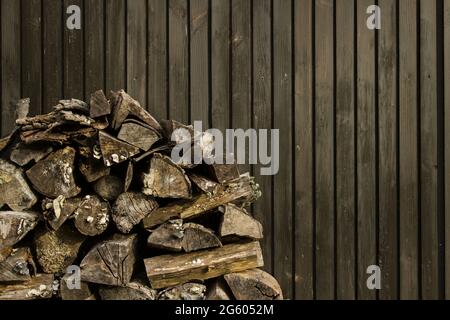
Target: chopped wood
(170, 126)
(138, 134)
(165, 179)
(244, 190)
(14, 190)
(115, 151)
(109, 187)
(132, 291)
(54, 175)
(56, 250)
(74, 294)
(59, 137)
(130, 208)
(218, 290)
(110, 262)
(99, 105)
(168, 236)
(72, 105)
(23, 153)
(22, 108)
(223, 173)
(204, 184)
(92, 216)
(197, 237)
(236, 222)
(129, 176)
(57, 211)
(186, 291)
(39, 287)
(173, 269)
(254, 284)
(18, 266)
(93, 169)
(15, 225)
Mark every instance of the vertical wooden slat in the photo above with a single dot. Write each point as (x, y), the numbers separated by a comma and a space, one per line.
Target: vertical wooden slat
(157, 58)
(387, 117)
(409, 212)
(137, 50)
(345, 150)
(428, 157)
(32, 53)
(115, 56)
(324, 127)
(10, 59)
(179, 61)
(220, 64)
(304, 150)
(73, 56)
(447, 144)
(199, 70)
(262, 114)
(94, 76)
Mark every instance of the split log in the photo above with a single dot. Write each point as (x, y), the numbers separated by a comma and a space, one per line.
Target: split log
(243, 190)
(218, 290)
(53, 176)
(236, 222)
(14, 190)
(39, 287)
(132, 291)
(92, 216)
(165, 179)
(110, 262)
(60, 137)
(115, 151)
(125, 106)
(254, 284)
(99, 105)
(138, 134)
(15, 225)
(197, 237)
(109, 187)
(18, 266)
(204, 184)
(186, 291)
(57, 211)
(56, 250)
(173, 269)
(130, 208)
(223, 173)
(23, 153)
(74, 294)
(168, 236)
(93, 169)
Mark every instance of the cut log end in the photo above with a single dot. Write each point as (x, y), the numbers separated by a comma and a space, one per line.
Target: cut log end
(254, 284)
(92, 216)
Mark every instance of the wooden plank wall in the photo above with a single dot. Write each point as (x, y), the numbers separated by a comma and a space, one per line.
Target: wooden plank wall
(364, 116)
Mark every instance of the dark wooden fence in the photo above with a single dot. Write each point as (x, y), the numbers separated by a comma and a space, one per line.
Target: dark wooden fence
(364, 116)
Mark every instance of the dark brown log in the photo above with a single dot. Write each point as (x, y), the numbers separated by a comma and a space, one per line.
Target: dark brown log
(173, 269)
(130, 208)
(93, 169)
(14, 190)
(132, 291)
(74, 294)
(109, 187)
(22, 108)
(23, 153)
(204, 184)
(168, 236)
(56, 250)
(254, 284)
(223, 173)
(164, 179)
(99, 105)
(58, 210)
(218, 290)
(18, 266)
(92, 216)
(243, 190)
(110, 262)
(197, 237)
(236, 222)
(53, 176)
(125, 106)
(39, 287)
(15, 225)
(186, 291)
(138, 134)
(129, 176)
(115, 151)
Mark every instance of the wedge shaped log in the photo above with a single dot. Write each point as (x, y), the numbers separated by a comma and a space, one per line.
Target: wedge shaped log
(15, 225)
(236, 222)
(254, 284)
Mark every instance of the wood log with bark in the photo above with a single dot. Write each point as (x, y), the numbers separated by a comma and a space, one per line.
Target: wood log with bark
(18, 266)
(14, 226)
(39, 287)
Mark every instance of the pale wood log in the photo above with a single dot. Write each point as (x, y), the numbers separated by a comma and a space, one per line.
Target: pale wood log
(236, 222)
(186, 291)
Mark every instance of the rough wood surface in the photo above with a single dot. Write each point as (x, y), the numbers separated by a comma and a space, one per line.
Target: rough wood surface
(57, 211)
(254, 284)
(110, 262)
(132, 291)
(130, 208)
(236, 222)
(15, 225)
(93, 169)
(115, 151)
(197, 237)
(108, 187)
(168, 236)
(22, 108)
(23, 153)
(54, 175)
(186, 291)
(218, 290)
(92, 216)
(74, 294)
(18, 266)
(223, 173)
(165, 179)
(99, 105)
(138, 134)
(173, 269)
(39, 287)
(203, 183)
(4, 142)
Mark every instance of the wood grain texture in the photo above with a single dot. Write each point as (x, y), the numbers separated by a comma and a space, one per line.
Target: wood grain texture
(447, 144)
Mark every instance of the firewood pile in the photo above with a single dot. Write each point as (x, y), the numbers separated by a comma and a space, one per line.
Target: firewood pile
(94, 207)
